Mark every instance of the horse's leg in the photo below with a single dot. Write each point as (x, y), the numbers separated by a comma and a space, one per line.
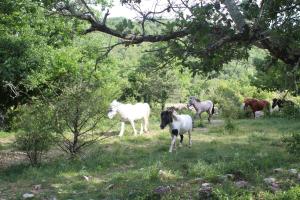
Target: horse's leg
(141, 131)
(122, 129)
(209, 115)
(134, 130)
(146, 124)
(181, 139)
(190, 141)
(173, 141)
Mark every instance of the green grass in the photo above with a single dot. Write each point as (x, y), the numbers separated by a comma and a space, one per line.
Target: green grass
(128, 168)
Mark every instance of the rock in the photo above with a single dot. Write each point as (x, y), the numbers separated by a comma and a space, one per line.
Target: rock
(162, 173)
(205, 192)
(226, 177)
(87, 178)
(230, 176)
(165, 175)
(274, 187)
(37, 187)
(241, 184)
(206, 185)
(28, 196)
(278, 170)
(269, 180)
(197, 181)
(292, 171)
(110, 186)
(162, 190)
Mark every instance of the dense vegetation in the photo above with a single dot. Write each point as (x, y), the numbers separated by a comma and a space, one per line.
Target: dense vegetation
(56, 85)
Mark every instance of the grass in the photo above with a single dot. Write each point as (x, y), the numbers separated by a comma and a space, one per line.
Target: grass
(132, 167)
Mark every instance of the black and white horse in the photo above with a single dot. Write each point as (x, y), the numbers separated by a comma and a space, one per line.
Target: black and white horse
(178, 124)
(282, 103)
(202, 106)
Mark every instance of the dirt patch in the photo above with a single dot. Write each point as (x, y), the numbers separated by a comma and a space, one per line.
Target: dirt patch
(201, 130)
(217, 122)
(8, 158)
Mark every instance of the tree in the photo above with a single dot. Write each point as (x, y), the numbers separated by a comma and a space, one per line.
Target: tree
(78, 110)
(28, 39)
(150, 82)
(271, 25)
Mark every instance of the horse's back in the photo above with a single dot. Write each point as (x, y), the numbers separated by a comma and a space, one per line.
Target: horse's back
(134, 112)
(184, 123)
(206, 105)
(257, 105)
(144, 108)
(141, 110)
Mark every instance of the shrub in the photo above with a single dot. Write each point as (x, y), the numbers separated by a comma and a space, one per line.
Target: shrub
(34, 135)
(290, 111)
(292, 143)
(230, 106)
(78, 111)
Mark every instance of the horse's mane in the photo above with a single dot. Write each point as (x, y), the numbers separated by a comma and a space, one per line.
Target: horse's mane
(198, 100)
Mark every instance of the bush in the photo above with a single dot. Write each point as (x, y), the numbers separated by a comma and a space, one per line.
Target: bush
(292, 143)
(34, 135)
(78, 111)
(230, 106)
(290, 111)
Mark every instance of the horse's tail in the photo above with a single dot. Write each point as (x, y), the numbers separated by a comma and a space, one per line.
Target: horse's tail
(213, 109)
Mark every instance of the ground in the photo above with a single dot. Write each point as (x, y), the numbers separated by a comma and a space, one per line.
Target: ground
(136, 167)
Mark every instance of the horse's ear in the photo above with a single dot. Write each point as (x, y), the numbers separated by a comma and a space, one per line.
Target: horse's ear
(197, 99)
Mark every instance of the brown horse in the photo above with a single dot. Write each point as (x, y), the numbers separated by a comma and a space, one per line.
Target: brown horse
(256, 105)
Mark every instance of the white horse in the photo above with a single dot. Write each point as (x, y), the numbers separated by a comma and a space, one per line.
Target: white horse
(202, 106)
(179, 124)
(130, 113)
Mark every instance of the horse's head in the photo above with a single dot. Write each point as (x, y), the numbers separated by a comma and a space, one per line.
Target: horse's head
(166, 118)
(113, 109)
(277, 102)
(192, 101)
(246, 106)
(248, 102)
(274, 103)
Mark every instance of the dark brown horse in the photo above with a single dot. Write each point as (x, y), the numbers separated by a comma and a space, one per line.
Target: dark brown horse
(256, 105)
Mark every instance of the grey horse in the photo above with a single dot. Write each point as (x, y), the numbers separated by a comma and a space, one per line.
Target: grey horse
(201, 106)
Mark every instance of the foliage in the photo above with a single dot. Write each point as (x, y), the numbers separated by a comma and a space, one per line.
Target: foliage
(151, 84)
(77, 112)
(292, 143)
(34, 130)
(28, 39)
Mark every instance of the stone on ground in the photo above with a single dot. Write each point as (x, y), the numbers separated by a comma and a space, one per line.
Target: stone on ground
(269, 180)
(278, 170)
(28, 196)
(205, 192)
(162, 190)
(293, 171)
(241, 184)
